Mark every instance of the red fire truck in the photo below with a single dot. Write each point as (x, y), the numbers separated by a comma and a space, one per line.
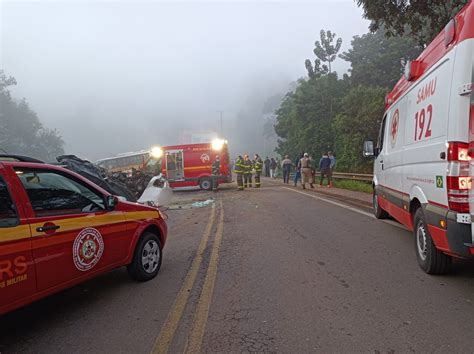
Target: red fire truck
(191, 164)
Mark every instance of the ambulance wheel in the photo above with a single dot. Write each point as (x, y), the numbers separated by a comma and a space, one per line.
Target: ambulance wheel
(378, 211)
(147, 257)
(205, 184)
(430, 259)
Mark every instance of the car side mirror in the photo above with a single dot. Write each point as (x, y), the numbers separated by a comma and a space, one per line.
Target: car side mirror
(369, 149)
(111, 202)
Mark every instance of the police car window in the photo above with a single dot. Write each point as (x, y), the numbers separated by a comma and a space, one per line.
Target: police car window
(8, 214)
(52, 193)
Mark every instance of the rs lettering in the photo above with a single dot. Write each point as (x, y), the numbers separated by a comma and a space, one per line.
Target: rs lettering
(20, 265)
(9, 269)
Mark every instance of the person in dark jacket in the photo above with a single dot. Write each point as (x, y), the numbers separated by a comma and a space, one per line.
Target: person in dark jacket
(266, 163)
(273, 166)
(298, 169)
(325, 169)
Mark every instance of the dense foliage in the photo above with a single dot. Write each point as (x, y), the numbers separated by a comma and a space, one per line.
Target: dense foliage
(21, 132)
(420, 19)
(325, 112)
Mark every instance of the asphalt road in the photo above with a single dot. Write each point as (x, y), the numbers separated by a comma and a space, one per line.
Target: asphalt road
(269, 270)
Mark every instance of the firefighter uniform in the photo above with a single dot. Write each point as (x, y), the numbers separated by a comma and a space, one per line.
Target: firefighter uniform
(239, 171)
(216, 172)
(258, 164)
(248, 166)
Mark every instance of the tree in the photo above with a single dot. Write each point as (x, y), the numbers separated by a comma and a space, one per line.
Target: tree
(304, 119)
(359, 119)
(21, 132)
(318, 70)
(376, 59)
(325, 51)
(421, 19)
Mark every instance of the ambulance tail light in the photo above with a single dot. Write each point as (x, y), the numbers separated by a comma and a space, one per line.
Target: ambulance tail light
(459, 181)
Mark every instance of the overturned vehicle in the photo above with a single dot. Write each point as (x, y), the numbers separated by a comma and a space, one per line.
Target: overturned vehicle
(138, 186)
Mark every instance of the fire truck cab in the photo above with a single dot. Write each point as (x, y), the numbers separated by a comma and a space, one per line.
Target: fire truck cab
(423, 157)
(190, 165)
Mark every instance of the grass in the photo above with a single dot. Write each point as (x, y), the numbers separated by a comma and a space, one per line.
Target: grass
(358, 186)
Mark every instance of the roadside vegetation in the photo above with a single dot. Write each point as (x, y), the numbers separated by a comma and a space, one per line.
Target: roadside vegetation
(21, 131)
(326, 111)
(358, 186)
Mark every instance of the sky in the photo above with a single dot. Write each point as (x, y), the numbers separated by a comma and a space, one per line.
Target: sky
(118, 76)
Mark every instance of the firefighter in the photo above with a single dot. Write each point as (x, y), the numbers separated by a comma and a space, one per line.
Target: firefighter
(239, 171)
(248, 166)
(258, 165)
(216, 172)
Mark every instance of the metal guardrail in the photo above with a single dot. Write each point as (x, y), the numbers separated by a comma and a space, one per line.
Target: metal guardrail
(353, 176)
(347, 176)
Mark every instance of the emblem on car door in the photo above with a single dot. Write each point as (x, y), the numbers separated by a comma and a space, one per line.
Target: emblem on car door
(87, 249)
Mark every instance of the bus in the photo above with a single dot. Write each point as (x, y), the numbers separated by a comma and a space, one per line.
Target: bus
(127, 162)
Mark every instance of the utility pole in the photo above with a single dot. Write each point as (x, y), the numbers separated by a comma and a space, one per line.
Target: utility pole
(221, 130)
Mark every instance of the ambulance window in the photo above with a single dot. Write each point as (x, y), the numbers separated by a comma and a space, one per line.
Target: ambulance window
(382, 133)
(8, 214)
(52, 193)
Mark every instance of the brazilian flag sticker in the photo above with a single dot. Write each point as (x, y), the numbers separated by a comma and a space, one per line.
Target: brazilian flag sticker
(439, 182)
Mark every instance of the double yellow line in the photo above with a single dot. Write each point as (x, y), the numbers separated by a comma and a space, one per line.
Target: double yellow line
(193, 345)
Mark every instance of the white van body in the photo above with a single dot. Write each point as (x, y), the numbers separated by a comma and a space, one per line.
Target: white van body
(423, 151)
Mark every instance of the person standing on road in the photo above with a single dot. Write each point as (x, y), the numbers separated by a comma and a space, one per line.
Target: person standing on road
(286, 167)
(325, 168)
(239, 170)
(258, 164)
(306, 171)
(298, 169)
(216, 172)
(267, 167)
(273, 166)
(248, 166)
(333, 164)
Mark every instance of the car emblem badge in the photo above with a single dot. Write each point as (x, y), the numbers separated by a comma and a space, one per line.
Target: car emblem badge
(87, 249)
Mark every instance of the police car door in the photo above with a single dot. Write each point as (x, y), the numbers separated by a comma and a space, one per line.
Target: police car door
(74, 236)
(17, 272)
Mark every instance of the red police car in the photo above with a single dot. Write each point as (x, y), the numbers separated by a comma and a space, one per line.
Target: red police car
(58, 229)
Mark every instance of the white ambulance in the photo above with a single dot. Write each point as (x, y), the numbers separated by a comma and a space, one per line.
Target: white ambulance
(422, 168)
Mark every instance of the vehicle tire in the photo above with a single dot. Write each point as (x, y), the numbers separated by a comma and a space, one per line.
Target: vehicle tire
(205, 184)
(378, 211)
(430, 259)
(147, 257)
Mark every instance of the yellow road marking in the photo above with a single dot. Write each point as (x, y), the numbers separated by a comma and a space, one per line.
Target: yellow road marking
(202, 311)
(168, 330)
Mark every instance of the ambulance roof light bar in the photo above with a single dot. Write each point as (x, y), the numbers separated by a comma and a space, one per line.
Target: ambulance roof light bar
(450, 33)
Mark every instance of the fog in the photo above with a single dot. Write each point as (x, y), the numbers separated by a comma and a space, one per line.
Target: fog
(122, 76)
